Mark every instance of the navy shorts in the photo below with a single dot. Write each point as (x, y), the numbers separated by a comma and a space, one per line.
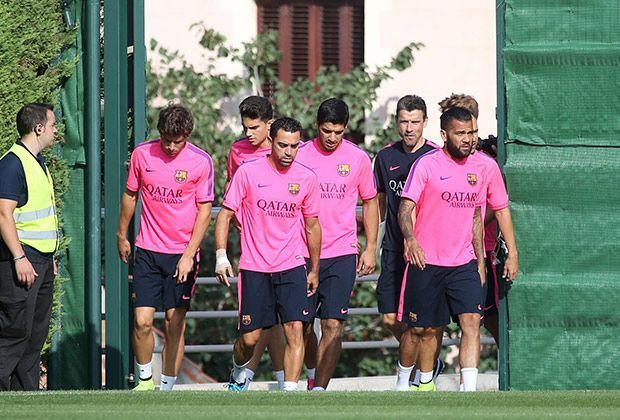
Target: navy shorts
(492, 296)
(429, 296)
(390, 281)
(268, 298)
(154, 284)
(336, 281)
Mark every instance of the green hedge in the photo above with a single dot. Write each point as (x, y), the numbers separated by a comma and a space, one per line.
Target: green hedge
(32, 37)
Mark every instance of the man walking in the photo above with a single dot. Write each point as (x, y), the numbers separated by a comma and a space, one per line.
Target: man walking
(275, 197)
(175, 181)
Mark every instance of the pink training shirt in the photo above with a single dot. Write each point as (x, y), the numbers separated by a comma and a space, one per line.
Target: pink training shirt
(496, 195)
(242, 151)
(169, 189)
(446, 193)
(272, 205)
(344, 175)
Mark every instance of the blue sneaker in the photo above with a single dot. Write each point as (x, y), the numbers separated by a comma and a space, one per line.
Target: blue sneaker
(236, 386)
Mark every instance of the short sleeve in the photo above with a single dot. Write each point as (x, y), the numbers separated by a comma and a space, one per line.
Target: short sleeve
(231, 167)
(310, 207)
(378, 171)
(204, 187)
(236, 191)
(416, 181)
(367, 188)
(497, 197)
(12, 179)
(133, 177)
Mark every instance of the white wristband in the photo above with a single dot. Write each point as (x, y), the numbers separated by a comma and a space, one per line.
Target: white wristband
(221, 260)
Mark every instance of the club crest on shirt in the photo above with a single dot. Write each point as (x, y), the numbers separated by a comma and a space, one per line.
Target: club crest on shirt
(344, 169)
(180, 176)
(246, 319)
(293, 188)
(472, 179)
(413, 317)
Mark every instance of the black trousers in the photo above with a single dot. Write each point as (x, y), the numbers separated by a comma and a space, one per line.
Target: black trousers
(24, 324)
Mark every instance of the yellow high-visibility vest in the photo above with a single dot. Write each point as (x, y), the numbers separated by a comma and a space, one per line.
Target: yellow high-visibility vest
(36, 221)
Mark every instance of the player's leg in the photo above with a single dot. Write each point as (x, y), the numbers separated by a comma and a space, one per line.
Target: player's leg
(293, 354)
(147, 289)
(173, 352)
(177, 299)
(311, 346)
(293, 307)
(276, 342)
(388, 290)
(424, 308)
(256, 312)
(259, 349)
(337, 285)
(464, 293)
(491, 304)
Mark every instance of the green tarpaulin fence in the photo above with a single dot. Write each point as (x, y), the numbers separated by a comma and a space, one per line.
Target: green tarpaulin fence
(562, 90)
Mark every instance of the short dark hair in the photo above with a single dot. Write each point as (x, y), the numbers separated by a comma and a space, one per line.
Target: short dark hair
(256, 107)
(456, 113)
(289, 125)
(333, 110)
(31, 115)
(175, 120)
(462, 100)
(411, 103)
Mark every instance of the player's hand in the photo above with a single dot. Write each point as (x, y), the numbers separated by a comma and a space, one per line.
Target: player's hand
(223, 268)
(312, 282)
(511, 268)
(184, 267)
(367, 262)
(414, 254)
(124, 249)
(55, 262)
(26, 274)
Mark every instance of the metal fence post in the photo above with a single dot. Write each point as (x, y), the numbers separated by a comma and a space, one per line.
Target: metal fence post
(503, 365)
(116, 154)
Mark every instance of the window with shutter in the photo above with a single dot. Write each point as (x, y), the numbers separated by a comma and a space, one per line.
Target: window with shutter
(314, 33)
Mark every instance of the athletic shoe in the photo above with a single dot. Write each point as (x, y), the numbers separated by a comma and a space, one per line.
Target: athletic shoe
(438, 368)
(310, 384)
(427, 387)
(145, 385)
(236, 386)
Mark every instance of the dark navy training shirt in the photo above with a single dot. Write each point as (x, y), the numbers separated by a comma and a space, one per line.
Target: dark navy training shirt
(392, 166)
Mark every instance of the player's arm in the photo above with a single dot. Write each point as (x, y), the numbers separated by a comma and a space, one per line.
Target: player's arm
(414, 253)
(128, 208)
(478, 243)
(370, 220)
(223, 268)
(313, 238)
(489, 215)
(504, 222)
(382, 200)
(187, 260)
(23, 268)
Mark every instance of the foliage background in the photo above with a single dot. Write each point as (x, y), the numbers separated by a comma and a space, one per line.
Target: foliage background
(32, 36)
(206, 93)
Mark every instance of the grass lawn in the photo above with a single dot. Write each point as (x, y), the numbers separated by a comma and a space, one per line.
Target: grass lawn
(333, 405)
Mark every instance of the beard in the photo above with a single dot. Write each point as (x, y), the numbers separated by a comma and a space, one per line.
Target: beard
(457, 153)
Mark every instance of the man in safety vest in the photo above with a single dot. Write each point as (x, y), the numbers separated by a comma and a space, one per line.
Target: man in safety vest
(29, 238)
